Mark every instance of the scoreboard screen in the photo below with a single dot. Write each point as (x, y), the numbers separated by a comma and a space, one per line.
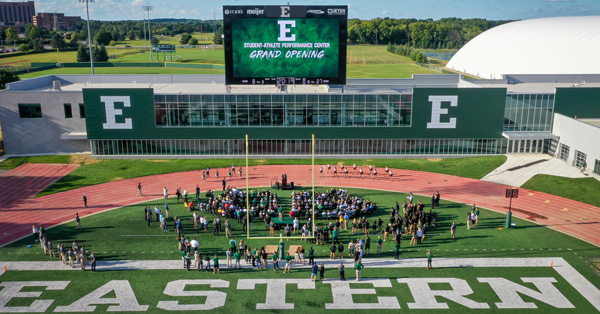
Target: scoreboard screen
(285, 44)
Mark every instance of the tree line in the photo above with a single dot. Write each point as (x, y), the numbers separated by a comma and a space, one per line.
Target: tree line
(446, 33)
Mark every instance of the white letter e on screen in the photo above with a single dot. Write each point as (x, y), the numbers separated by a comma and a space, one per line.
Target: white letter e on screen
(284, 30)
(112, 113)
(437, 111)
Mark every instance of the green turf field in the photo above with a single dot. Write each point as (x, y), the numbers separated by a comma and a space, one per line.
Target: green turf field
(395, 70)
(584, 190)
(95, 171)
(365, 61)
(104, 233)
(399, 70)
(130, 236)
(148, 289)
(169, 40)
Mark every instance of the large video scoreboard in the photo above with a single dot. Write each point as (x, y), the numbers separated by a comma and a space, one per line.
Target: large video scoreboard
(285, 44)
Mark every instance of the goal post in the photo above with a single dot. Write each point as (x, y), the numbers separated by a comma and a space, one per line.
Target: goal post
(249, 212)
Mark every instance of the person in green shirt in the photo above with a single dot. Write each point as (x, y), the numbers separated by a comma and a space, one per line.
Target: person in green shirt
(477, 216)
(358, 267)
(397, 251)
(335, 235)
(311, 256)
(188, 261)
(216, 265)
(237, 256)
(367, 245)
(233, 245)
(288, 263)
(275, 261)
(379, 245)
(429, 257)
(183, 257)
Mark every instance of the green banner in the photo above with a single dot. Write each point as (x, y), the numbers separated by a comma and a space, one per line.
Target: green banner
(271, 47)
(458, 113)
(439, 113)
(580, 102)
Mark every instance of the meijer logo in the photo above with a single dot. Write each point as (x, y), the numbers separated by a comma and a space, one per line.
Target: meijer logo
(255, 11)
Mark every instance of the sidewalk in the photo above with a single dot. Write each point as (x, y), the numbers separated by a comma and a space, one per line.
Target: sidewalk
(518, 169)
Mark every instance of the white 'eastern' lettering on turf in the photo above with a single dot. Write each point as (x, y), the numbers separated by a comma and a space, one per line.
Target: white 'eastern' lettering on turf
(342, 295)
(12, 289)
(425, 297)
(124, 297)
(214, 299)
(508, 292)
(275, 291)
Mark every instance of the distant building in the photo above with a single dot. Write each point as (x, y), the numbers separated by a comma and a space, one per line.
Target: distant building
(16, 13)
(55, 21)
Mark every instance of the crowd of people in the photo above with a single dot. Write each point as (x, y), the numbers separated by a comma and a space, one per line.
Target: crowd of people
(68, 255)
(221, 209)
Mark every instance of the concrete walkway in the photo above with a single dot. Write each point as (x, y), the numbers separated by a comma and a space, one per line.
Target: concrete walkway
(518, 169)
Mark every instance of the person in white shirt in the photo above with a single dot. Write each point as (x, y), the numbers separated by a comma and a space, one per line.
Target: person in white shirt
(165, 192)
(194, 244)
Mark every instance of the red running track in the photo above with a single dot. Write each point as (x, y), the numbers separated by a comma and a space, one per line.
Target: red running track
(564, 215)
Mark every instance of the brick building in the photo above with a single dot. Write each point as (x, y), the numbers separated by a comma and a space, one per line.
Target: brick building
(48, 21)
(16, 13)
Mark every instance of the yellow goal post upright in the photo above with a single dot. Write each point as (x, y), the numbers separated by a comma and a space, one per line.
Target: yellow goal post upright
(249, 212)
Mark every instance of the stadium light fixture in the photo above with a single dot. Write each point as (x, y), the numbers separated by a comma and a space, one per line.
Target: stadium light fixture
(87, 10)
(148, 8)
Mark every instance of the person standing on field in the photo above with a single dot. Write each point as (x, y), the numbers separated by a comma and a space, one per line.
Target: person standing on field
(85, 200)
(358, 267)
(93, 258)
(35, 231)
(342, 272)
(78, 221)
(453, 230)
(429, 257)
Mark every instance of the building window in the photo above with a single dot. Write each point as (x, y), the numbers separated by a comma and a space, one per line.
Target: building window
(564, 152)
(579, 159)
(68, 111)
(275, 110)
(81, 111)
(301, 147)
(30, 110)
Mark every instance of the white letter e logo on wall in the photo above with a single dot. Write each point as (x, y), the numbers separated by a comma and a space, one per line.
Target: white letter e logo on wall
(437, 111)
(112, 113)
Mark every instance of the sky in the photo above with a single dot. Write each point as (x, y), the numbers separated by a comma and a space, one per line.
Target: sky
(364, 9)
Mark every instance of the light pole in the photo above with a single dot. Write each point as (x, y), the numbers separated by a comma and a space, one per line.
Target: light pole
(148, 8)
(89, 32)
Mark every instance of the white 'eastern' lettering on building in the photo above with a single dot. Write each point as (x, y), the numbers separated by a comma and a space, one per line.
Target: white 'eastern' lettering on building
(437, 111)
(112, 113)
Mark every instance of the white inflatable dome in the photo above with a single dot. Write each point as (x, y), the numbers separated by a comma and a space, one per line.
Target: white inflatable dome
(556, 45)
